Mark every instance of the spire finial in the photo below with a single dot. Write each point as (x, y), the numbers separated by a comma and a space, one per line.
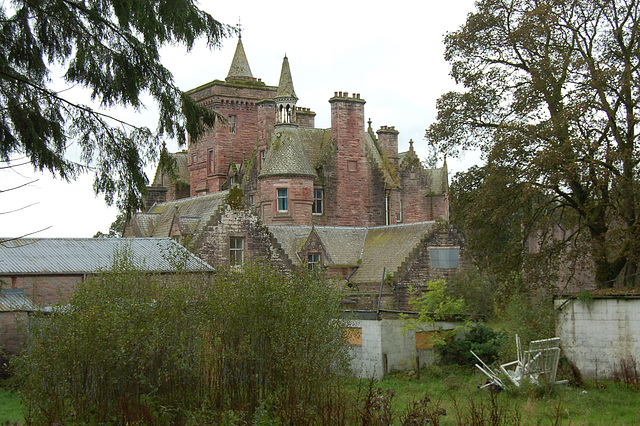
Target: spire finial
(239, 28)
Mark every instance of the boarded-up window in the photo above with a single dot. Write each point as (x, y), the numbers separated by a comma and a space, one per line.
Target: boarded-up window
(353, 335)
(424, 339)
(444, 258)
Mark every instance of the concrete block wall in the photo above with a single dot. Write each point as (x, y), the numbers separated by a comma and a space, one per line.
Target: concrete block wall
(597, 334)
(386, 348)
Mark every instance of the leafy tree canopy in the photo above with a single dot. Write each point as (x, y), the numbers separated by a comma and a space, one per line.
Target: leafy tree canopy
(111, 48)
(551, 97)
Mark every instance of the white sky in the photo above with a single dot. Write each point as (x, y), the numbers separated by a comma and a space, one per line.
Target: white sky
(389, 52)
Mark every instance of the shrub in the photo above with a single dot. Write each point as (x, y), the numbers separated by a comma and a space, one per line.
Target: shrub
(138, 348)
(480, 338)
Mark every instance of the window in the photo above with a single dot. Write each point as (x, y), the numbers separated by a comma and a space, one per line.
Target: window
(317, 201)
(252, 200)
(313, 260)
(352, 166)
(283, 200)
(194, 158)
(210, 162)
(263, 155)
(232, 124)
(444, 258)
(236, 251)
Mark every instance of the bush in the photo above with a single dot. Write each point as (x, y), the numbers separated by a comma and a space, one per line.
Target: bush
(138, 348)
(480, 338)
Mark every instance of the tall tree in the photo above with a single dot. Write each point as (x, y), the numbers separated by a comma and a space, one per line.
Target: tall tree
(552, 94)
(111, 48)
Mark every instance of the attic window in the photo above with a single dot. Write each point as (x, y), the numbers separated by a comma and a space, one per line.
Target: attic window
(313, 260)
(444, 258)
(232, 123)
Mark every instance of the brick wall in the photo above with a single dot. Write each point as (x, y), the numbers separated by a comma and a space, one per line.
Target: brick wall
(46, 290)
(12, 327)
(241, 101)
(352, 175)
(300, 200)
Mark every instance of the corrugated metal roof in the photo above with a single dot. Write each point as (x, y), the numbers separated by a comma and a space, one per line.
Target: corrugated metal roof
(55, 256)
(13, 300)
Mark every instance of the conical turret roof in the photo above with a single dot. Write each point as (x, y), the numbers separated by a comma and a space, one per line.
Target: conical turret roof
(240, 69)
(285, 87)
(286, 157)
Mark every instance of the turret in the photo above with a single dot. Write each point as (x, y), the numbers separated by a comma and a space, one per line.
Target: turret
(286, 96)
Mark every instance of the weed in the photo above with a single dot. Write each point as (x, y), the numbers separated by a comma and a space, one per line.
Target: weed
(627, 373)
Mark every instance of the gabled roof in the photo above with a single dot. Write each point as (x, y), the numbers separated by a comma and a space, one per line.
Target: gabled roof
(240, 65)
(389, 246)
(182, 169)
(191, 214)
(62, 256)
(370, 249)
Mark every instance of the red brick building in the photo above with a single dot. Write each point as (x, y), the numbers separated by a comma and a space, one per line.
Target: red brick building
(292, 173)
(341, 197)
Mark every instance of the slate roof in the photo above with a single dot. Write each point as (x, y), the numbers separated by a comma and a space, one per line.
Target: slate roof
(285, 86)
(389, 246)
(182, 169)
(60, 256)
(370, 249)
(13, 300)
(343, 245)
(286, 156)
(191, 214)
(239, 65)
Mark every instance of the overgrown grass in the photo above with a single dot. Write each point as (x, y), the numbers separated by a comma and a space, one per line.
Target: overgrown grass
(10, 407)
(455, 389)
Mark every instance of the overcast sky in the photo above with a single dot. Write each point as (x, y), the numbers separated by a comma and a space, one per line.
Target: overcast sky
(389, 52)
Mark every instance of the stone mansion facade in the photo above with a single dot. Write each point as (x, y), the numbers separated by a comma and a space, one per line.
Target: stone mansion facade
(342, 197)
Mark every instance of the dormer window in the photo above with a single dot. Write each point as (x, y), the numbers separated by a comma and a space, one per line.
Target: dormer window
(313, 260)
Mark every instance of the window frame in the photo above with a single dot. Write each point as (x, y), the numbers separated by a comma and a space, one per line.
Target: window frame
(282, 199)
(316, 262)
(235, 251)
(211, 165)
(438, 259)
(318, 202)
(232, 122)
